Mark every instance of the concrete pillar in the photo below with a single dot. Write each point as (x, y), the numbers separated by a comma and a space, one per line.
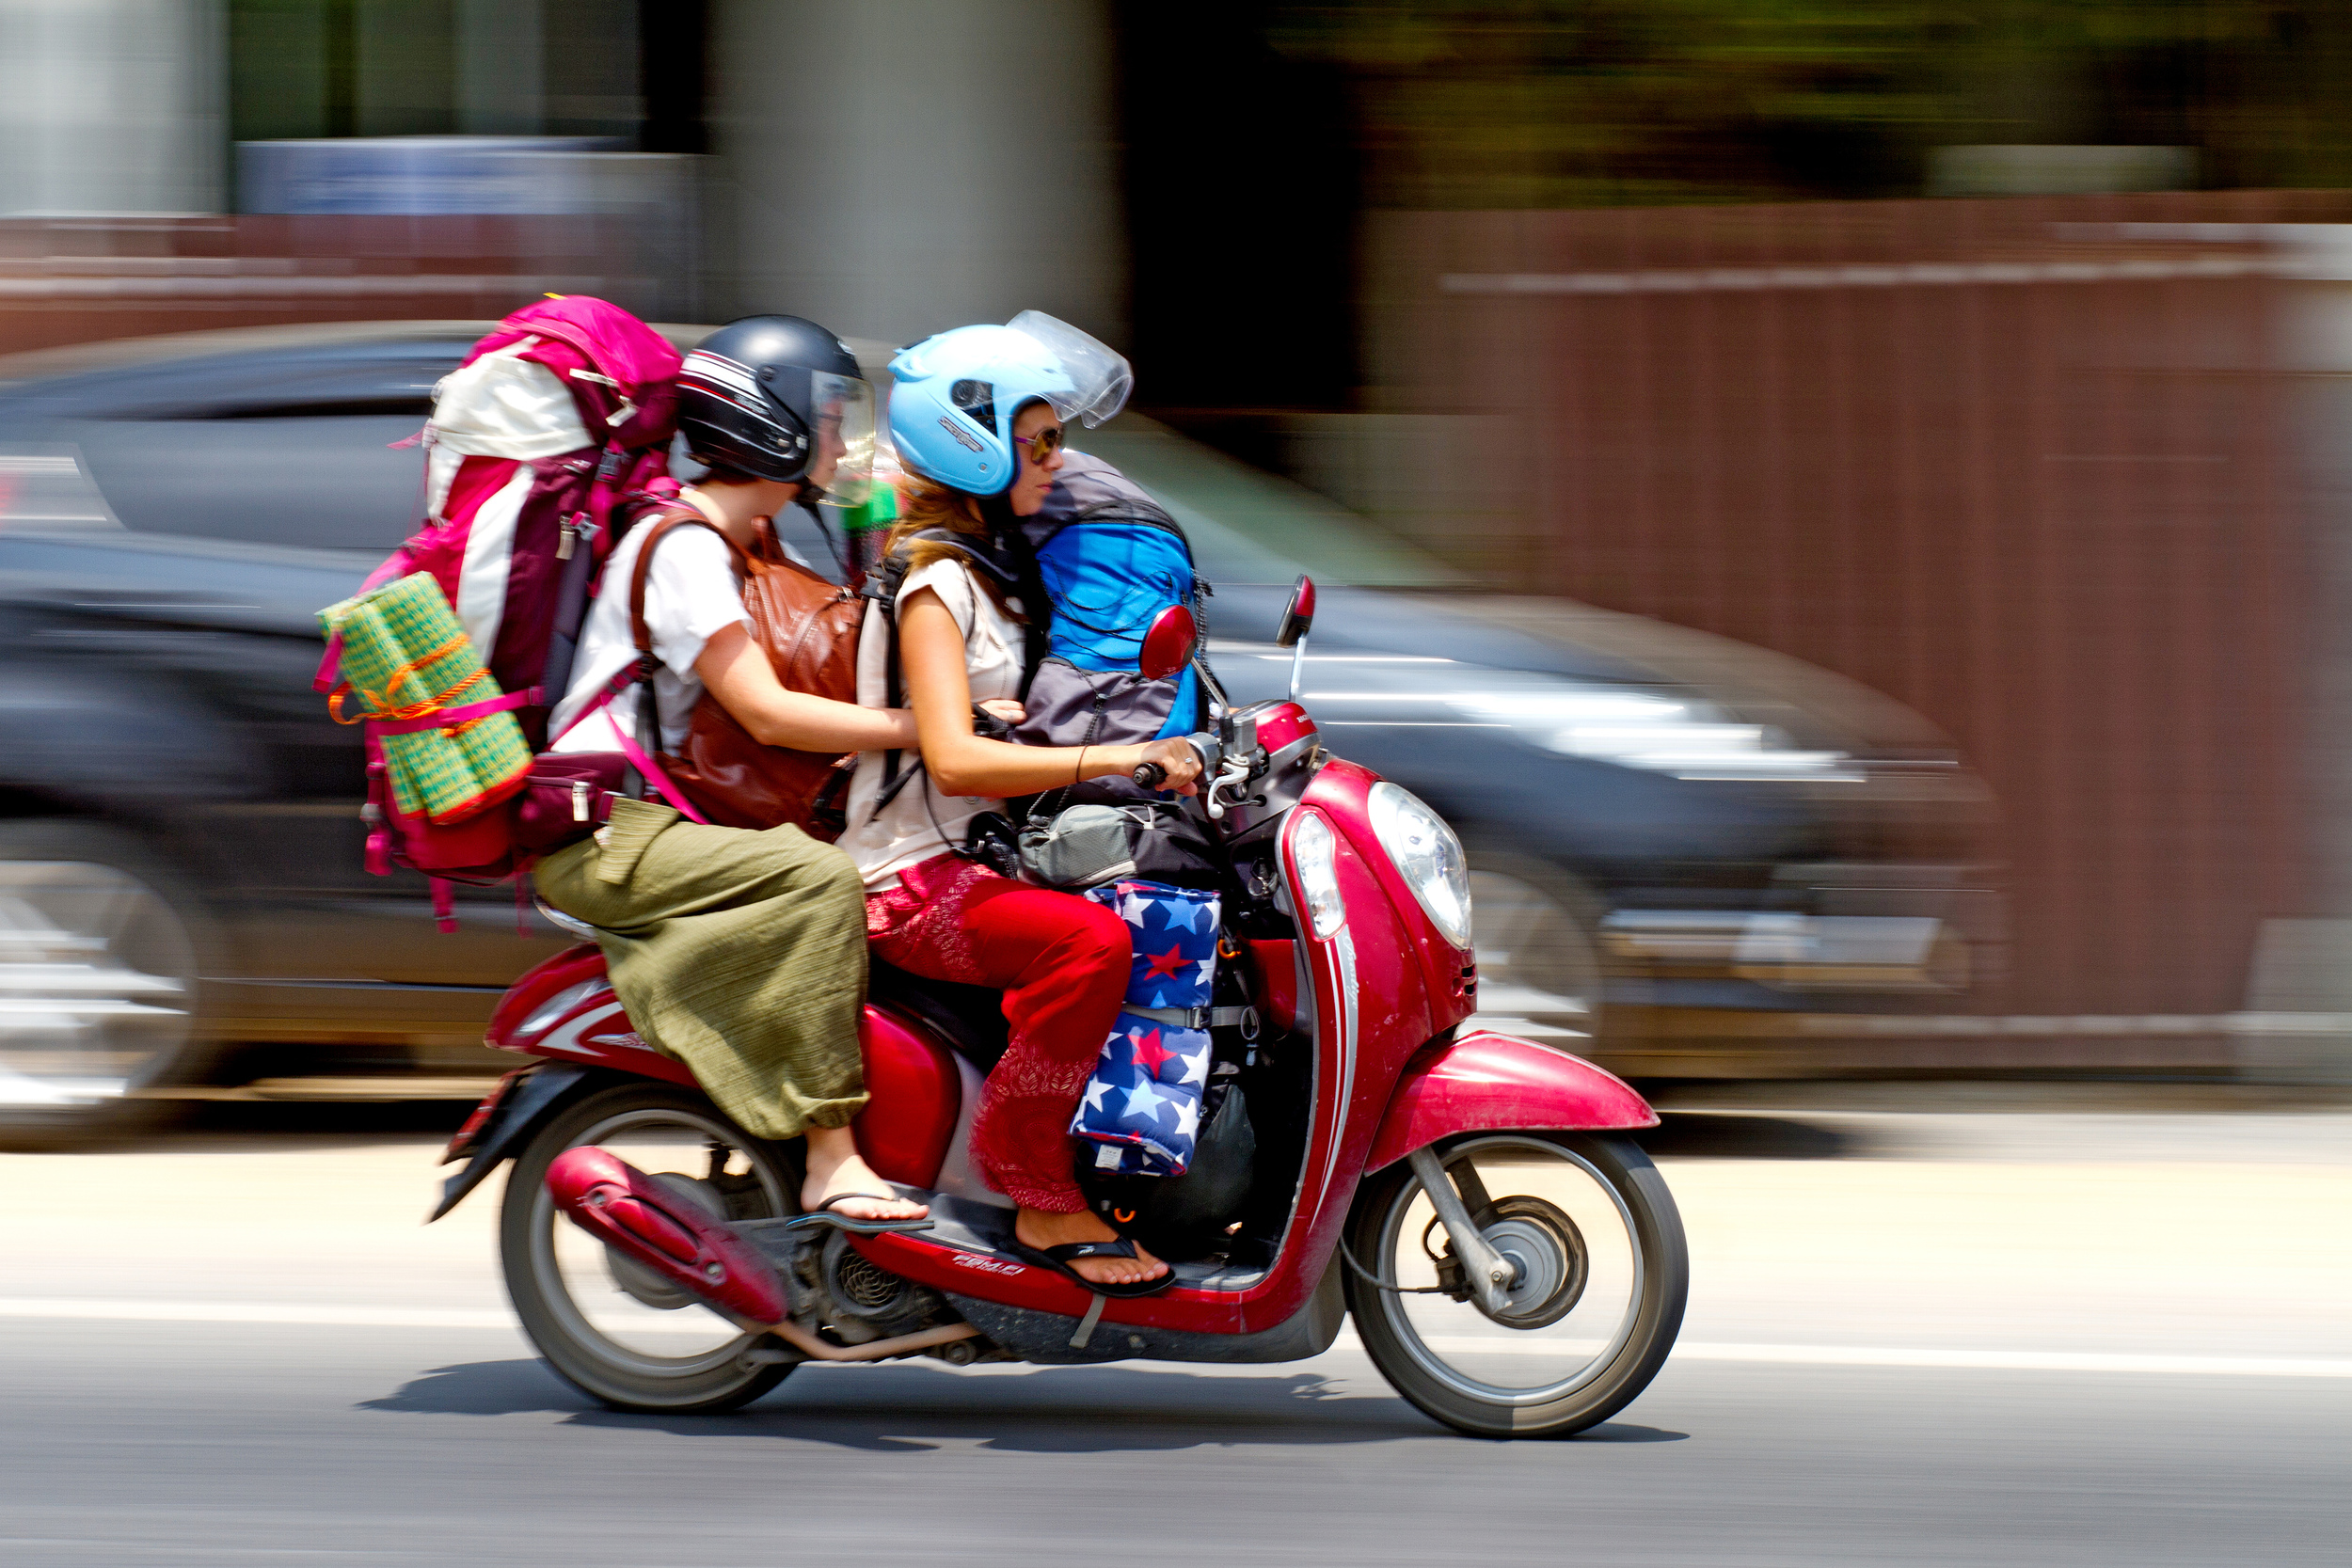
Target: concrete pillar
(890, 167)
(2315, 354)
(111, 107)
(502, 68)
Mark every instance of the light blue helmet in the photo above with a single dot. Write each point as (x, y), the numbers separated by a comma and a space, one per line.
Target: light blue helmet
(954, 395)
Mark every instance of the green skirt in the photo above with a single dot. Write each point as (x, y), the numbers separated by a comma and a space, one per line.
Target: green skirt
(743, 954)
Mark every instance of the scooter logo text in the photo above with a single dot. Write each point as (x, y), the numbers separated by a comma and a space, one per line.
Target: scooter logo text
(972, 1261)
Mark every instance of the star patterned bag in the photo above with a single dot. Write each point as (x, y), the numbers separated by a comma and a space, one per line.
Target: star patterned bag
(1142, 1106)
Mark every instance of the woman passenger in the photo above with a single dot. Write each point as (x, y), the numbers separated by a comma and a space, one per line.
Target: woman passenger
(741, 953)
(976, 414)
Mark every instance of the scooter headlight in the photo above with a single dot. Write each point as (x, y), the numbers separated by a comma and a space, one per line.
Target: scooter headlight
(1314, 853)
(1429, 857)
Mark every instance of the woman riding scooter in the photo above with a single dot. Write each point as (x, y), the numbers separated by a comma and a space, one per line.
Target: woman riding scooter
(978, 417)
(739, 951)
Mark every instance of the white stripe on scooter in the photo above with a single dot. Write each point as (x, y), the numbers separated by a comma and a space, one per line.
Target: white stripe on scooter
(1343, 949)
(568, 1037)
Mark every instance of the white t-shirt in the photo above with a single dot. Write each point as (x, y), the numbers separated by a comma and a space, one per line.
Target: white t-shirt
(691, 593)
(920, 822)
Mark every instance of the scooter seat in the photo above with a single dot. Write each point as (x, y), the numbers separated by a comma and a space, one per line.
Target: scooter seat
(970, 1017)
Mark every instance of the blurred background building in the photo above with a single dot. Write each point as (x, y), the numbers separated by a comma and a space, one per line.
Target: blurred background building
(1992, 360)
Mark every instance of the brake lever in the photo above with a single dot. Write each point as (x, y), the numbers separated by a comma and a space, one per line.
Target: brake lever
(1235, 772)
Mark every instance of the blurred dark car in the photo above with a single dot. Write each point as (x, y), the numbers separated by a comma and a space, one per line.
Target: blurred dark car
(1680, 843)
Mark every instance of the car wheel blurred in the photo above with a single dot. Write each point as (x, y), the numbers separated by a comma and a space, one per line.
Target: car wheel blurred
(97, 981)
(1539, 971)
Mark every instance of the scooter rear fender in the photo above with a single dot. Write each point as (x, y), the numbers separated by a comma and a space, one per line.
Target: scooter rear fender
(1483, 1082)
(521, 1106)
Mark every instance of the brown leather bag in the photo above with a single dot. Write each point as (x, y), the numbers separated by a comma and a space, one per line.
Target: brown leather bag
(810, 629)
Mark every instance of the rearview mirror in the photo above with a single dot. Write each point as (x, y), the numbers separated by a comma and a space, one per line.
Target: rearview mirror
(1168, 646)
(1298, 616)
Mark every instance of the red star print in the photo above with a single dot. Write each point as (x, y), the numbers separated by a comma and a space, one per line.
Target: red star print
(1166, 963)
(1150, 1052)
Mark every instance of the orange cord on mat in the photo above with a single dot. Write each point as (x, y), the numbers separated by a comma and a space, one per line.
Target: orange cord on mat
(382, 703)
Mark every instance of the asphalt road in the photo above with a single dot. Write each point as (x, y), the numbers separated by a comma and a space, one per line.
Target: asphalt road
(1918, 1340)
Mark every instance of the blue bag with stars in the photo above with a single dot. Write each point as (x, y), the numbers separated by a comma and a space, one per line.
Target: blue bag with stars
(1142, 1106)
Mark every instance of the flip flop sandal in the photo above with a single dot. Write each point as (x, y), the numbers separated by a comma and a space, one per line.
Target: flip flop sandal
(1059, 1259)
(824, 1214)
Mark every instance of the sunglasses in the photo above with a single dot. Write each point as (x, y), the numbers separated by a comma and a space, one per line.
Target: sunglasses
(1042, 445)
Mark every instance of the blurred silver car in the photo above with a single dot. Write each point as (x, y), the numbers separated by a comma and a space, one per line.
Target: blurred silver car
(1684, 849)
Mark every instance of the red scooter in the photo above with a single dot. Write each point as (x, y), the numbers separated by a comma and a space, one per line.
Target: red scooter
(1513, 1262)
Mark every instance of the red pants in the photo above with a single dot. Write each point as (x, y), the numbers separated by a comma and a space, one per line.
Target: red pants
(1062, 962)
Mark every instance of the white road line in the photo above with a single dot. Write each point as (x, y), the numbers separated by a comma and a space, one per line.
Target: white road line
(1896, 1355)
(68, 1308)
(2021, 1360)
(327, 1313)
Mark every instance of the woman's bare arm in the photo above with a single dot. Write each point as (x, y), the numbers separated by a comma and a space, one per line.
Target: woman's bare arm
(736, 672)
(930, 648)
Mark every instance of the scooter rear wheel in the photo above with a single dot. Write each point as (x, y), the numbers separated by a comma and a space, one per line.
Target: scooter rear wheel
(612, 1329)
(1602, 1275)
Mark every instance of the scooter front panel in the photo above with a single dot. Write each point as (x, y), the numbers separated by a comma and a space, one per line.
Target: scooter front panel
(1371, 1016)
(1448, 974)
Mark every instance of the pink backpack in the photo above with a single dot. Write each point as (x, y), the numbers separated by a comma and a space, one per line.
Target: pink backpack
(565, 407)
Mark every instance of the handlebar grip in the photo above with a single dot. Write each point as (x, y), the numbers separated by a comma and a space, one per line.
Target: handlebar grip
(1150, 775)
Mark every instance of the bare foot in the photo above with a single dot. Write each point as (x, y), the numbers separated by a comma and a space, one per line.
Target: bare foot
(834, 1166)
(1037, 1228)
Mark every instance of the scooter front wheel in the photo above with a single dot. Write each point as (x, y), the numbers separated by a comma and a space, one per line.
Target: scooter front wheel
(612, 1328)
(1602, 1271)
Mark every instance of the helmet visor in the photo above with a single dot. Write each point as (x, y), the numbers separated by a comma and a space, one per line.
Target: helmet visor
(1100, 378)
(843, 462)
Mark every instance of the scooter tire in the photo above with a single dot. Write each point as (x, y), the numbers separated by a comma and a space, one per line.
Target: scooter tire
(1656, 1229)
(522, 1219)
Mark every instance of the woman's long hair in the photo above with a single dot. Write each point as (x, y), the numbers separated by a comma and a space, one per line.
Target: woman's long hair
(925, 503)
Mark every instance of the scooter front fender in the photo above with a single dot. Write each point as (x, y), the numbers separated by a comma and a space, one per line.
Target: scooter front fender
(1488, 1082)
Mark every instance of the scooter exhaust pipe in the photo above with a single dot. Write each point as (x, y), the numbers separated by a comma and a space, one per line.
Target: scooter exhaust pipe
(625, 1208)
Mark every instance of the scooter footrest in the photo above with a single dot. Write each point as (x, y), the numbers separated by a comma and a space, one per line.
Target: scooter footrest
(843, 1222)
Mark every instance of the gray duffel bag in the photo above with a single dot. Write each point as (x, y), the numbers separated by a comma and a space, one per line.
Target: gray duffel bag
(1152, 841)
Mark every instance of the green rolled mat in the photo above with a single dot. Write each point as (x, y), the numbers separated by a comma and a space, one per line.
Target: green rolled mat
(405, 655)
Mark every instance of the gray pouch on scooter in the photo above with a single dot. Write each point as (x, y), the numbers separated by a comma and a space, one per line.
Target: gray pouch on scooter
(1082, 846)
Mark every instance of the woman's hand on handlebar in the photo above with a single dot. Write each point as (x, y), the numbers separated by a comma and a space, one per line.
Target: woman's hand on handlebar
(1175, 761)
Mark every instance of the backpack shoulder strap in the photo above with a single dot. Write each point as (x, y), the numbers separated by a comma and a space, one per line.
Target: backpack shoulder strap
(882, 586)
(658, 528)
(889, 577)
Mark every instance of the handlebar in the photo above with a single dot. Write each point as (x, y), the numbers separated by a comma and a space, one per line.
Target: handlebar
(1207, 747)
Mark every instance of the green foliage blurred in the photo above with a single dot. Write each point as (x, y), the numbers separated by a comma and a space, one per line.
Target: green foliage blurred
(1589, 103)
(392, 68)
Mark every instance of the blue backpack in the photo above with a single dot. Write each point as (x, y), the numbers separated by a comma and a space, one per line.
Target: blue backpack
(1110, 559)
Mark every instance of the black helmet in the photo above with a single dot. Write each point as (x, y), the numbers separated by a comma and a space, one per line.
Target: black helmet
(759, 395)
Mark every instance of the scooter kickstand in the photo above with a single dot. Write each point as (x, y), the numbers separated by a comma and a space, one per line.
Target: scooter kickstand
(1085, 1324)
